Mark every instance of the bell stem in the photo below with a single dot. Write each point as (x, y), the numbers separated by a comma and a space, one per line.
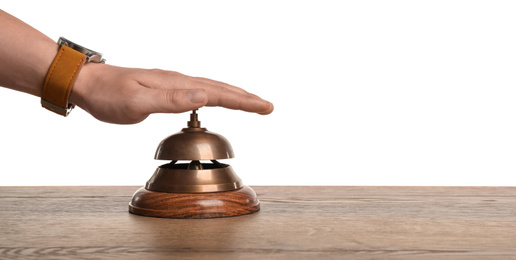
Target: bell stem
(194, 122)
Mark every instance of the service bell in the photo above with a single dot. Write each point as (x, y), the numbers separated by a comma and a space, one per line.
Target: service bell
(194, 189)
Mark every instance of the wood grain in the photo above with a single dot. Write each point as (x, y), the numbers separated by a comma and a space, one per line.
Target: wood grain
(194, 205)
(293, 223)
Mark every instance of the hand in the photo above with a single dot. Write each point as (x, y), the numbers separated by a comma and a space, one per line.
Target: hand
(127, 96)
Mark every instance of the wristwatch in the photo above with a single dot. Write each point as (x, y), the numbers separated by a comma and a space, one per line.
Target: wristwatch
(62, 75)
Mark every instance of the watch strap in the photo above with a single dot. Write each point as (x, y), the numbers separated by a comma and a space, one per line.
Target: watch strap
(60, 79)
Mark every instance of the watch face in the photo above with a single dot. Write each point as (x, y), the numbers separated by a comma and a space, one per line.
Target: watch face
(92, 56)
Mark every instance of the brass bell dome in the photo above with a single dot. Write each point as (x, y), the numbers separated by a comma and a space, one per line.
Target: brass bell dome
(194, 143)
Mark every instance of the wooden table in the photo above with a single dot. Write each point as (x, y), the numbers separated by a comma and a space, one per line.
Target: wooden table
(294, 223)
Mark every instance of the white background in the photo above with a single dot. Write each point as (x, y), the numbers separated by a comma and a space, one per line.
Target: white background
(366, 92)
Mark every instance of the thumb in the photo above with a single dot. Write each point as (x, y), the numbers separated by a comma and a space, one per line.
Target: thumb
(175, 100)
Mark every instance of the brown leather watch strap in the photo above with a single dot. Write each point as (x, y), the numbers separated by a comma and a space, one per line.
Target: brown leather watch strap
(60, 79)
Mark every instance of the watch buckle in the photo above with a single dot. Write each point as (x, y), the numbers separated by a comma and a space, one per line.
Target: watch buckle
(57, 109)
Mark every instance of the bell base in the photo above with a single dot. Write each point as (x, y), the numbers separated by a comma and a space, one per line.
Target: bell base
(194, 205)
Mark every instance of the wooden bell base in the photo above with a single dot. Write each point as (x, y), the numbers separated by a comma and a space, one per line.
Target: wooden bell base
(194, 205)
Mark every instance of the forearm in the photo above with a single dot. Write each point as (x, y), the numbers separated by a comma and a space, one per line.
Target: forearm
(26, 55)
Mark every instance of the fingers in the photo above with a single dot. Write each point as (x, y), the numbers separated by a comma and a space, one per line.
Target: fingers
(218, 93)
(172, 100)
(220, 84)
(228, 96)
(224, 97)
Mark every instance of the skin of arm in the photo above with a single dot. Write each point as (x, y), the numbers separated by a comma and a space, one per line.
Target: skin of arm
(109, 93)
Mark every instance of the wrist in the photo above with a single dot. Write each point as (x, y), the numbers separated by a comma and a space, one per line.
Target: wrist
(84, 82)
